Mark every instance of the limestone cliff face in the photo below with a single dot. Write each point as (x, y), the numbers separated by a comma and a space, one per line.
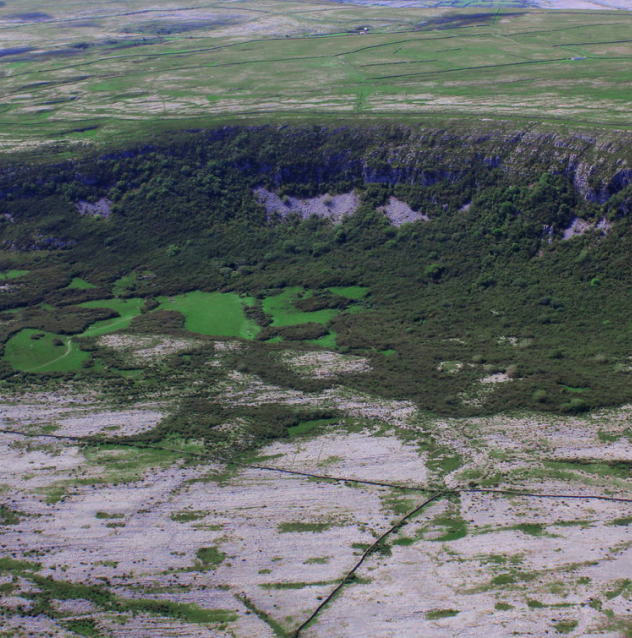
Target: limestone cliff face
(600, 165)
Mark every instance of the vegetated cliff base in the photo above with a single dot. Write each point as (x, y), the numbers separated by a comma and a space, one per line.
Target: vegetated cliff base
(516, 268)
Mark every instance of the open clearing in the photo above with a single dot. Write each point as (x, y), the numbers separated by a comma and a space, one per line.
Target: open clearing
(126, 308)
(36, 351)
(285, 313)
(214, 314)
(220, 314)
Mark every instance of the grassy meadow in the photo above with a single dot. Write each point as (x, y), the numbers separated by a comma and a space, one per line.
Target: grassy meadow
(119, 76)
(41, 352)
(218, 314)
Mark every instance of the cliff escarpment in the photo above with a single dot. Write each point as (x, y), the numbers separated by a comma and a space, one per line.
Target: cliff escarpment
(496, 251)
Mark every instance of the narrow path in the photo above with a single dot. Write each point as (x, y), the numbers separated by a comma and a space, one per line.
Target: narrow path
(48, 363)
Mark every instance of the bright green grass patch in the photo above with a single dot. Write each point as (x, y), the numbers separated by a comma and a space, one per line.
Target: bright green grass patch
(317, 560)
(48, 353)
(326, 341)
(125, 463)
(613, 469)
(127, 309)
(308, 426)
(621, 586)
(187, 516)
(627, 520)
(389, 352)
(404, 541)
(454, 528)
(108, 601)
(8, 564)
(8, 516)
(350, 292)
(285, 313)
(83, 627)
(565, 626)
(130, 374)
(532, 529)
(80, 284)
(13, 274)
(213, 313)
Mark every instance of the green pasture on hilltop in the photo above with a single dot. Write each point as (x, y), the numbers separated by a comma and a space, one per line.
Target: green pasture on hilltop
(429, 63)
(36, 351)
(213, 313)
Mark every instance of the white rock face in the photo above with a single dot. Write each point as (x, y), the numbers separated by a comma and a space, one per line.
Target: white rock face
(581, 226)
(100, 208)
(334, 207)
(399, 213)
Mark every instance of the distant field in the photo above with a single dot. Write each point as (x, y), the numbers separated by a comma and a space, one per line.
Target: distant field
(220, 314)
(77, 74)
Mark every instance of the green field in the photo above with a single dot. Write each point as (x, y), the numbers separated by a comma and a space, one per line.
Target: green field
(271, 61)
(127, 309)
(218, 314)
(307, 426)
(29, 354)
(78, 283)
(13, 274)
(326, 341)
(285, 313)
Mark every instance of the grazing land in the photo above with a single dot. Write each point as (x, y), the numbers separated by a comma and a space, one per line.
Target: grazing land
(96, 74)
(220, 314)
(315, 319)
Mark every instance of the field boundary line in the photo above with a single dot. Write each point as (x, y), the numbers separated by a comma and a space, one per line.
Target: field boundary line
(365, 555)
